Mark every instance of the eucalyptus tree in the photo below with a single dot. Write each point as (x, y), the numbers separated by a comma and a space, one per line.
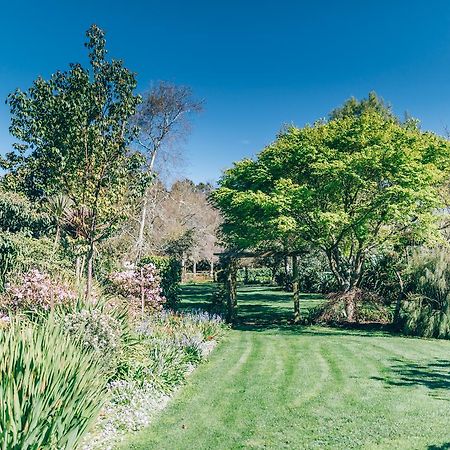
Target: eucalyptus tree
(74, 130)
(349, 187)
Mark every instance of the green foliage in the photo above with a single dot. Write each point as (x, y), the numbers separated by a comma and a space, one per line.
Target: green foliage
(169, 269)
(426, 309)
(21, 224)
(74, 133)
(169, 344)
(355, 107)
(50, 389)
(254, 275)
(17, 214)
(20, 253)
(355, 185)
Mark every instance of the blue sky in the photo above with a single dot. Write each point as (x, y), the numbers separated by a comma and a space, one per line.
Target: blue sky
(257, 64)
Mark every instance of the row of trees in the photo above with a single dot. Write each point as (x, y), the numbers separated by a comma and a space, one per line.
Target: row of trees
(359, 184)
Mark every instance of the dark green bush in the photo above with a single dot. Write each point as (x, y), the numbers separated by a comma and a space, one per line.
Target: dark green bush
(170, 272)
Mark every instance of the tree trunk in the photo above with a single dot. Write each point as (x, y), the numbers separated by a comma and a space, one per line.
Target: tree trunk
(230, 285)
(400, 298)
(140, 239)
(142, 292)
(78, 269)
(211, 269)
(246, 275)
(183, 267)
(90, 269)
(350, 305)
(286, 265)
(295, 288)
(57, 236)
(194, 268)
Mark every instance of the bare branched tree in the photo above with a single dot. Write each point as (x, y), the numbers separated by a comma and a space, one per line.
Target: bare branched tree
(163, 119)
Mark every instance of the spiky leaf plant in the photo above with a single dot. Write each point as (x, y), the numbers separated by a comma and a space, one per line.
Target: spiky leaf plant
(51, 389)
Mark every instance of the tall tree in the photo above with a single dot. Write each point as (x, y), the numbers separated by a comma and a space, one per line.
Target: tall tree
(349, 187)
(74, 130)
(162, 119)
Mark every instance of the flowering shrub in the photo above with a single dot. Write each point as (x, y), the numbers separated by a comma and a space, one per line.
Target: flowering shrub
(96, 330)
(169, 270)
(35, 292)
(141, 285)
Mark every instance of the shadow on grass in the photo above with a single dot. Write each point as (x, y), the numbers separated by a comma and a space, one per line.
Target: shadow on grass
(434, 375)
(445, 446)
(270, 309)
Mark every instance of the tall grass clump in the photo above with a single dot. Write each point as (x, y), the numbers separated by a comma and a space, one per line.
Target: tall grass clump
(426, 308)
(51, 389)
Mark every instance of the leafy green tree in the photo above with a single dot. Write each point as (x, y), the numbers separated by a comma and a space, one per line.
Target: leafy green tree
(74, 133)
(349, 187)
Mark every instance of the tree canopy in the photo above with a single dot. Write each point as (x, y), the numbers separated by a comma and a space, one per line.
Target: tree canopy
(73, 132)
(350, 186)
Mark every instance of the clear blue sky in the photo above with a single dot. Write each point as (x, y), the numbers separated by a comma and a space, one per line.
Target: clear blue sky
(257, 64)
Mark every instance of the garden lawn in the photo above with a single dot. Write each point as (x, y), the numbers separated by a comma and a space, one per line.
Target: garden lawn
(271, 385)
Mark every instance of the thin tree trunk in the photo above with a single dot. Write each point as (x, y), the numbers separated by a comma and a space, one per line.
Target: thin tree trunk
(400, 298)
(56, 241)
(230, 285)
(194, 268)
(183, 267)
(211, 269)
(142, 292)
(295, 288)
(90, 269)
(140, 239)
(78, 269)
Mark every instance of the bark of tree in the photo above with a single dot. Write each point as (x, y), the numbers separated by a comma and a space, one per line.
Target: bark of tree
(348, 273)
(295, 288)
(230, 285)
(90, 270)
(211, 269)
(400, 298)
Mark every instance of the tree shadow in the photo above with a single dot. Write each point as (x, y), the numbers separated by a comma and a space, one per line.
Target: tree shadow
(445, 446)
(270, 309)
(434, 375)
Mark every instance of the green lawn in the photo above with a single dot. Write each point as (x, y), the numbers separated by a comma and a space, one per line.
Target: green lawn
(270, 385)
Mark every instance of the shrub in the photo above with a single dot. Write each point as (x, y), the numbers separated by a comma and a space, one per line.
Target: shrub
(36, 292)
(50, 388)
(17, 214)
(169, 270)
(169, 344)
(141, 285)
(20, 253)
(95, 330)
(426, 309)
